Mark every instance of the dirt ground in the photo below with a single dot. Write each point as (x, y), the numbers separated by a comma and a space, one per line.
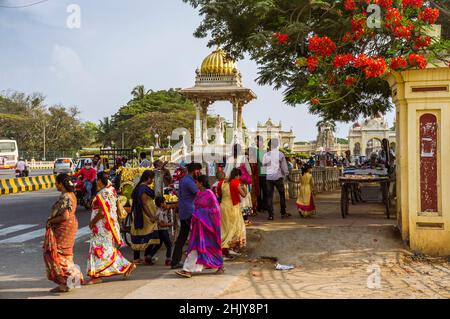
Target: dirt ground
(362, 256)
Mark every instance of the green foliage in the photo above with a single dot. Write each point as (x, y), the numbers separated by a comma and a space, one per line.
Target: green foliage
(23, 118)
(247, 27)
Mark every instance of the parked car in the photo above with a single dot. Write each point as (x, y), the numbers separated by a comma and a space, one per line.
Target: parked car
(63, 165)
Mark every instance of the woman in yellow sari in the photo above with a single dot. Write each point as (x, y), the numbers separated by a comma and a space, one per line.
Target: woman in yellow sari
(105, 259)
(232, 224)
(305, 200)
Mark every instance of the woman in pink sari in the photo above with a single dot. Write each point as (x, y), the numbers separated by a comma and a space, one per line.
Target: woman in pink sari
(205, 244)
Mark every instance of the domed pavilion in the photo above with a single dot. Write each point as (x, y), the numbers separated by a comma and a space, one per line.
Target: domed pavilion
(218, 79)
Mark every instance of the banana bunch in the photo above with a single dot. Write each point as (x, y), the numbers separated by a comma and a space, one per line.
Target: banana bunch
(171, 198)
(129, 174)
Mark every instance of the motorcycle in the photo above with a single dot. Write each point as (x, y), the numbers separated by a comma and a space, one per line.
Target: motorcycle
(24, 173)
(80, 191)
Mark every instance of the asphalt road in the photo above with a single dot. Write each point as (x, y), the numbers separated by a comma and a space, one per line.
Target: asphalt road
(22, 271)
(11, 173)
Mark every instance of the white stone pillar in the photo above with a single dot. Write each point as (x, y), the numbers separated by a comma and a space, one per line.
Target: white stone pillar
(198, 126)
(205, 123)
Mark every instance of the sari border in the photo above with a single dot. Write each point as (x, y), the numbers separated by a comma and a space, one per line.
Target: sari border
(111, 225)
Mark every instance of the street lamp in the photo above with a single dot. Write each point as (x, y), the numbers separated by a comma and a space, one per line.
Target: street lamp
(169, 139)
(157, 141)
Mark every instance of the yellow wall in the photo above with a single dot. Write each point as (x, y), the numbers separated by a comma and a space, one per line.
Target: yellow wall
(416, 227)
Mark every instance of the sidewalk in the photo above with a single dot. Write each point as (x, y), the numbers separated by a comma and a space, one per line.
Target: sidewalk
(358, 257)
(333, 258)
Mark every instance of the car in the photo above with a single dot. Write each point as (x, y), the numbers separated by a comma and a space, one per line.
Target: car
(63, 165)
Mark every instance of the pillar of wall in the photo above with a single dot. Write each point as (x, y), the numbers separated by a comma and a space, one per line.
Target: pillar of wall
(422, 98)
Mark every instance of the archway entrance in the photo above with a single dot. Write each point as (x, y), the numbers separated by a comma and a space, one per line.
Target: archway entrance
(373, 146)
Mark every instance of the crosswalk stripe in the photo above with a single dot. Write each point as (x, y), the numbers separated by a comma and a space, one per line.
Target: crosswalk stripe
(24, 237)
(13, 229)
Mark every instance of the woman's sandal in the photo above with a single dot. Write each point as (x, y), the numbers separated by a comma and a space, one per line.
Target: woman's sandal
(93, 282)
(220, 271)
(129, 271)
(184, 274)
(58, 290)
(138, 262)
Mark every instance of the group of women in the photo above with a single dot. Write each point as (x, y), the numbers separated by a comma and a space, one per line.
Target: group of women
(104, 258)
(217, 226)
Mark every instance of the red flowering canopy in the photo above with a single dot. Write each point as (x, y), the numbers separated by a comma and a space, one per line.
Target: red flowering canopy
(404, 24)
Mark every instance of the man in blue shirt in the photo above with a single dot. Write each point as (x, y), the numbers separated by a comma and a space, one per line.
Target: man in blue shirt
(186, 195)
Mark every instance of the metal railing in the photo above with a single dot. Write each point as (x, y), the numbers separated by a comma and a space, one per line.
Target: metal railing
(326, 179)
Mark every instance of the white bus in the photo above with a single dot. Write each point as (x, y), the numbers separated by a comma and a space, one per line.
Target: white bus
(9, 153)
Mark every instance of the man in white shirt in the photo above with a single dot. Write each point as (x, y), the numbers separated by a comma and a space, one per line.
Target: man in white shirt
(21, 165)
(277, 170)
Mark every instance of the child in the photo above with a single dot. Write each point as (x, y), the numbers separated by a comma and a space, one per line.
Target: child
(305, 200)
(163, 225)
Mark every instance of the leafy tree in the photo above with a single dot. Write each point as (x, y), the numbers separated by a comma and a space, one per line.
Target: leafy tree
(276, 34)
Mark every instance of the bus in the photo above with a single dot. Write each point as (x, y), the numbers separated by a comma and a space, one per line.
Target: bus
(9, 153)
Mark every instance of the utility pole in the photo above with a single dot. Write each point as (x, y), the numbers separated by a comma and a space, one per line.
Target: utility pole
(44, 157)
(123, 141)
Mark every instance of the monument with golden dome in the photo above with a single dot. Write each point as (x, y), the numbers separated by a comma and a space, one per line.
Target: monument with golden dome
(218, 79)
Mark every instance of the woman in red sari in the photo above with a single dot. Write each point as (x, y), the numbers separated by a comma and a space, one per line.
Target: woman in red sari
(62, 227)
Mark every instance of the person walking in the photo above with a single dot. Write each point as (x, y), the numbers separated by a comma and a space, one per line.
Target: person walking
(277, 170)
(62, 227)
(104, 259)
(305, 200)
(145, 163)
(262, 183)
(205, 248)
(144, 227)
(186, 195)
(232, 224)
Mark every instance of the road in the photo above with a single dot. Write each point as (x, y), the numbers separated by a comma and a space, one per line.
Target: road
(22, 271)
(10, 173)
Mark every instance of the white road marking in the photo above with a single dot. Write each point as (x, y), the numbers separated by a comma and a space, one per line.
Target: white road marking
(24, 237)
(13, 229)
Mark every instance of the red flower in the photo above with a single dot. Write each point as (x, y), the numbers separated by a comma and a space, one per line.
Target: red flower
(385, 3)
(312, 63)
(361, 61)
(413, 3)
(347, 37)
(359, 24)
(322, 46)
(315, 101)
(350, 5)
(393, 17)
(375, 68)
(417, 60)
(429, 15)
(403, 31)
(350, 81)
(281, 37)
(422, 42)
(342, 60)
(399, 63)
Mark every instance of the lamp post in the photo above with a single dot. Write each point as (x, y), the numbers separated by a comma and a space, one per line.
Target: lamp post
(169, 139)
(157, 141)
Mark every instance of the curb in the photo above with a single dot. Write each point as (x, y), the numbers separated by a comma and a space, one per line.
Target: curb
(26, 184)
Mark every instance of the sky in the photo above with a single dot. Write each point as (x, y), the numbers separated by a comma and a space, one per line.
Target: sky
(117, 46)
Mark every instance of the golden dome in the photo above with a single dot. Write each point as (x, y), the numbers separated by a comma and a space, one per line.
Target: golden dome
(218, 63)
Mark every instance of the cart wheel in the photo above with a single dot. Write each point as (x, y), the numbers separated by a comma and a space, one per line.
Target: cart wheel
(126, 230)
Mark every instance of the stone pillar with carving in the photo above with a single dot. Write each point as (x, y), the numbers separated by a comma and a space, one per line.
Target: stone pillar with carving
(204, 109)
(422, 99)
(198, 125)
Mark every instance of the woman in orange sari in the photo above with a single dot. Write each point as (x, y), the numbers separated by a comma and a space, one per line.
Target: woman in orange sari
(62, 227)
(105, 259)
